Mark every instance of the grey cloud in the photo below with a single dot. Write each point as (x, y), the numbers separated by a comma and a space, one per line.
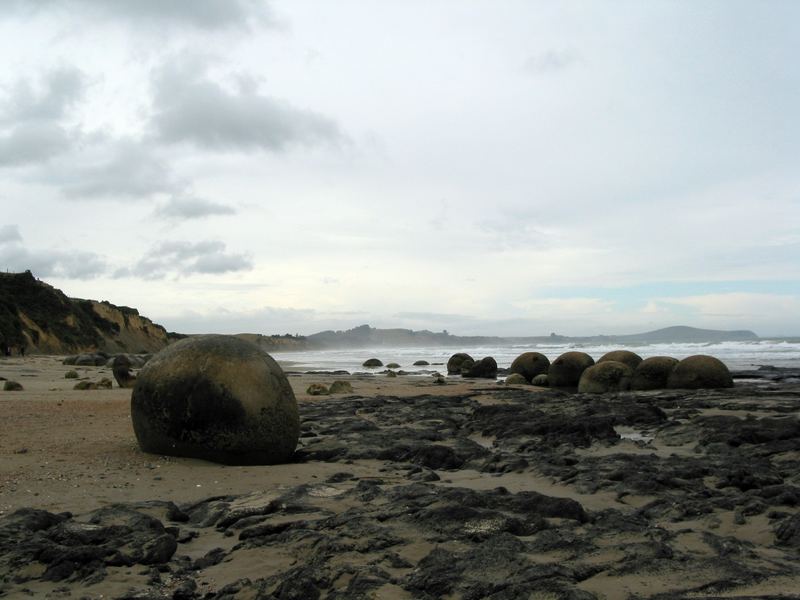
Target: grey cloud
(187, 258)
(59, 90)
(192, 208)
(9, 233)
(200, 14)
(190, 107)
(53, 263)
(32, 143)
(115, 169)
(550, 61)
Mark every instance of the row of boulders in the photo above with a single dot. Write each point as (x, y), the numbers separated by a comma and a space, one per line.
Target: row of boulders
(337, 387)
(372, 363)
(102, 359)
(615, 371)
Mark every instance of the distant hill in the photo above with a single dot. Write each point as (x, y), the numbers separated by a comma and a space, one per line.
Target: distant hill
(683, 334)
(366, 336)
(46, 321)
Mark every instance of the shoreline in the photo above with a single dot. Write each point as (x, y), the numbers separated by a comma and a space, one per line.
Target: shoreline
(408, 489)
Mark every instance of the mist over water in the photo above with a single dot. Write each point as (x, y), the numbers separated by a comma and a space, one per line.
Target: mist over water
(736, 355)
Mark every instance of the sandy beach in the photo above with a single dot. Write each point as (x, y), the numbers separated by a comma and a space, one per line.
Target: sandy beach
(408, 489)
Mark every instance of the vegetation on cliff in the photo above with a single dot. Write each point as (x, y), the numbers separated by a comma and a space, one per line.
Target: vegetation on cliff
(43, 319)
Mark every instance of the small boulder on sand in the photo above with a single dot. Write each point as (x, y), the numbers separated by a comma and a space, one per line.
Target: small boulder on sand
(700, 372)
(121, 368)
(12, 386)
(371, 363)
(341, 387)
(566, 370)
(317, 389)
(421, 363)
(540, 380)
(516, 379)
(606, 376)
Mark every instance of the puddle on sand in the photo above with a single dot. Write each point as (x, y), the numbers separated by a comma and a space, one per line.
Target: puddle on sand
(633, 435)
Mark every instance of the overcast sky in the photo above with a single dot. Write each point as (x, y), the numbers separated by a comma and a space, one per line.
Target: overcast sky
(488, 167)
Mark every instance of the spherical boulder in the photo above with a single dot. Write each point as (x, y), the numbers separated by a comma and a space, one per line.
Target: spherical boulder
(421, 363)
(566, 370)
(700, 372)
(653, 373)
(12, 386)
(217, 398)
(71, 374)
(516, 379)
(485, 368)
(455, 362)
(604, 377)
(392, 365)
(541, 380)
(530, 364)
(624, 356)
(372, 363)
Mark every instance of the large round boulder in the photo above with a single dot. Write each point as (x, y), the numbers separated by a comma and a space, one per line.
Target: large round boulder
(485, 368)
(455, 363)
(653, 373)
(566, 370)
(371, 363)
(530, 364)
(624, 356)
(700, 371)
(217, 398)
(606, 376)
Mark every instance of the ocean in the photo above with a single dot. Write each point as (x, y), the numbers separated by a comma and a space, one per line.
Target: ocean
(736, 355)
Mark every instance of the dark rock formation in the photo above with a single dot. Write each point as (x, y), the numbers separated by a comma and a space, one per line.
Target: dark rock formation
(317, 389)
(421, 363)
(624, 356)
(653, 373)
(217, 398)
(12, 386)
(392, 365)
(566, 370)
(516, 379)
(456, 362)
(700, 372)
(604, 377)
(530, 364)
(372, 363)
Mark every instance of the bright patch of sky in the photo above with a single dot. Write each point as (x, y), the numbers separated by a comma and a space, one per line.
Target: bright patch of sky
(509, 168)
